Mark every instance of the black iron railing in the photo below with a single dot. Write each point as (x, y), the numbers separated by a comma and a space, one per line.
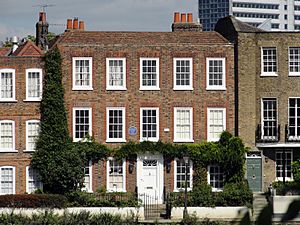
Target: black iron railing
(290, 134)
(269, 135)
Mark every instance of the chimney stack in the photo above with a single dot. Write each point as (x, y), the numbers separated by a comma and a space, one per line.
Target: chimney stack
(184, 22)
(75, 23)
(69, 24)
(42, 31)
(81, 25)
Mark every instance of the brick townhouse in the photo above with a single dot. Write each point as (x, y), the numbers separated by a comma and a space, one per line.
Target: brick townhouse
(174, 86)
(267, 70)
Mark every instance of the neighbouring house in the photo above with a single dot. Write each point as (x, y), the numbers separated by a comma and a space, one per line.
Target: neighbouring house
(267, 69)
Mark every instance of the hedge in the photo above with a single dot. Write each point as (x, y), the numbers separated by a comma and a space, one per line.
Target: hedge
(33, 201)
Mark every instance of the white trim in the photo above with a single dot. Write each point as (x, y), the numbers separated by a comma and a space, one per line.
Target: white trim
(183, 87)
(208, 178)
(191, 124)
(81, 87)
(286, 178)
(74, 122)
(175, 177)
(296, 137)
(146, 88)
(141, 124)
(262, 113)
(27, 122)
(293, 74)
(13, 71)
(14, 178)
(27, 181)
(90, 190)
(13, 136)
(216, 87)
(114, 87)
(123, 139)
(36, 70)
(209, 138)
(267, 74)
(123, 176)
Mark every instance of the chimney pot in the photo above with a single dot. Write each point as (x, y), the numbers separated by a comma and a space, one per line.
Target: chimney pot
(42, 17)
(190, 17)
(81, 25)
(183, 18)
(69, 24)
(176, 17)
(75, 23)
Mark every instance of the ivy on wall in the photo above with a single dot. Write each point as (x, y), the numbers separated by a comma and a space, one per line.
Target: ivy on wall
(60, 162)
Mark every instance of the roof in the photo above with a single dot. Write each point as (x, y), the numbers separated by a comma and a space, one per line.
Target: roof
(140, 38)
(240, 26)
(28, 49)
(5, 51)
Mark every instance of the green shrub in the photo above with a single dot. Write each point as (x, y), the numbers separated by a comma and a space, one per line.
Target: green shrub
(33, 201)
(116, 199)
(289, 188)
(235, 194)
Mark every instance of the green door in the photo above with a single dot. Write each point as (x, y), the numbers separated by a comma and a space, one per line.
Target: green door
(254, 173)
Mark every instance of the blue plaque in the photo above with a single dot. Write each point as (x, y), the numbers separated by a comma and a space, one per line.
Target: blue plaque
(132, 131)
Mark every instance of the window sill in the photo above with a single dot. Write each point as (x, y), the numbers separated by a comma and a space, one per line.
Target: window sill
(113, 191)
(183, 89)
(82, 89)
(32, 100)
(29, 151)
(183, 141)
(149, 139)
(216, 190)
(294, 74)
(115, 141)
(116, 89)
(182, 190)
(9, 151)
(213, 140)
(149, 89)
(2, 100)
(269, 75)
(216, 88)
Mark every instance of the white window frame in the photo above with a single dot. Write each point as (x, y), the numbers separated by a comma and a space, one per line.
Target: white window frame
(14, 136)
(262, 63)
(90, 190)
(208, 178)
(27, 132)
(123, 189)
(14, 178)
(176, 139)
(176, 189)
(27, 181)
(13, 99)
(183, 87)
(114, 87)
(123, 139)
(293, 73)
(286, 178)
(82, 87)
(145, 88)
(74, 122)
(209, 138)
(297, 136)
(157, 124)
(263, 119)
(34, 70)
(216, 87)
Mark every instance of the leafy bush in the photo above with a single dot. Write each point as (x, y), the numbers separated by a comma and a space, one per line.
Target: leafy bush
(235, 194)
(115, 199)
(50, 218)
(296, 170)
(33, 201)
(289, 188)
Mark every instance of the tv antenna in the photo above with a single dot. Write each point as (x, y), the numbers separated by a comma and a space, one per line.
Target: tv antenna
(43, 6)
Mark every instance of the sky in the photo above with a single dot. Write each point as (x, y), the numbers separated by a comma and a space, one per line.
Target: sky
(18, 17)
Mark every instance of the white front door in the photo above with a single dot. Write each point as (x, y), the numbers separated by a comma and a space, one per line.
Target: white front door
(150, 177)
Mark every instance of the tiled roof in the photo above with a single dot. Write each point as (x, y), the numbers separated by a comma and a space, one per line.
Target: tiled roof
(4, 51)
(144, 38)
(28, 49)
